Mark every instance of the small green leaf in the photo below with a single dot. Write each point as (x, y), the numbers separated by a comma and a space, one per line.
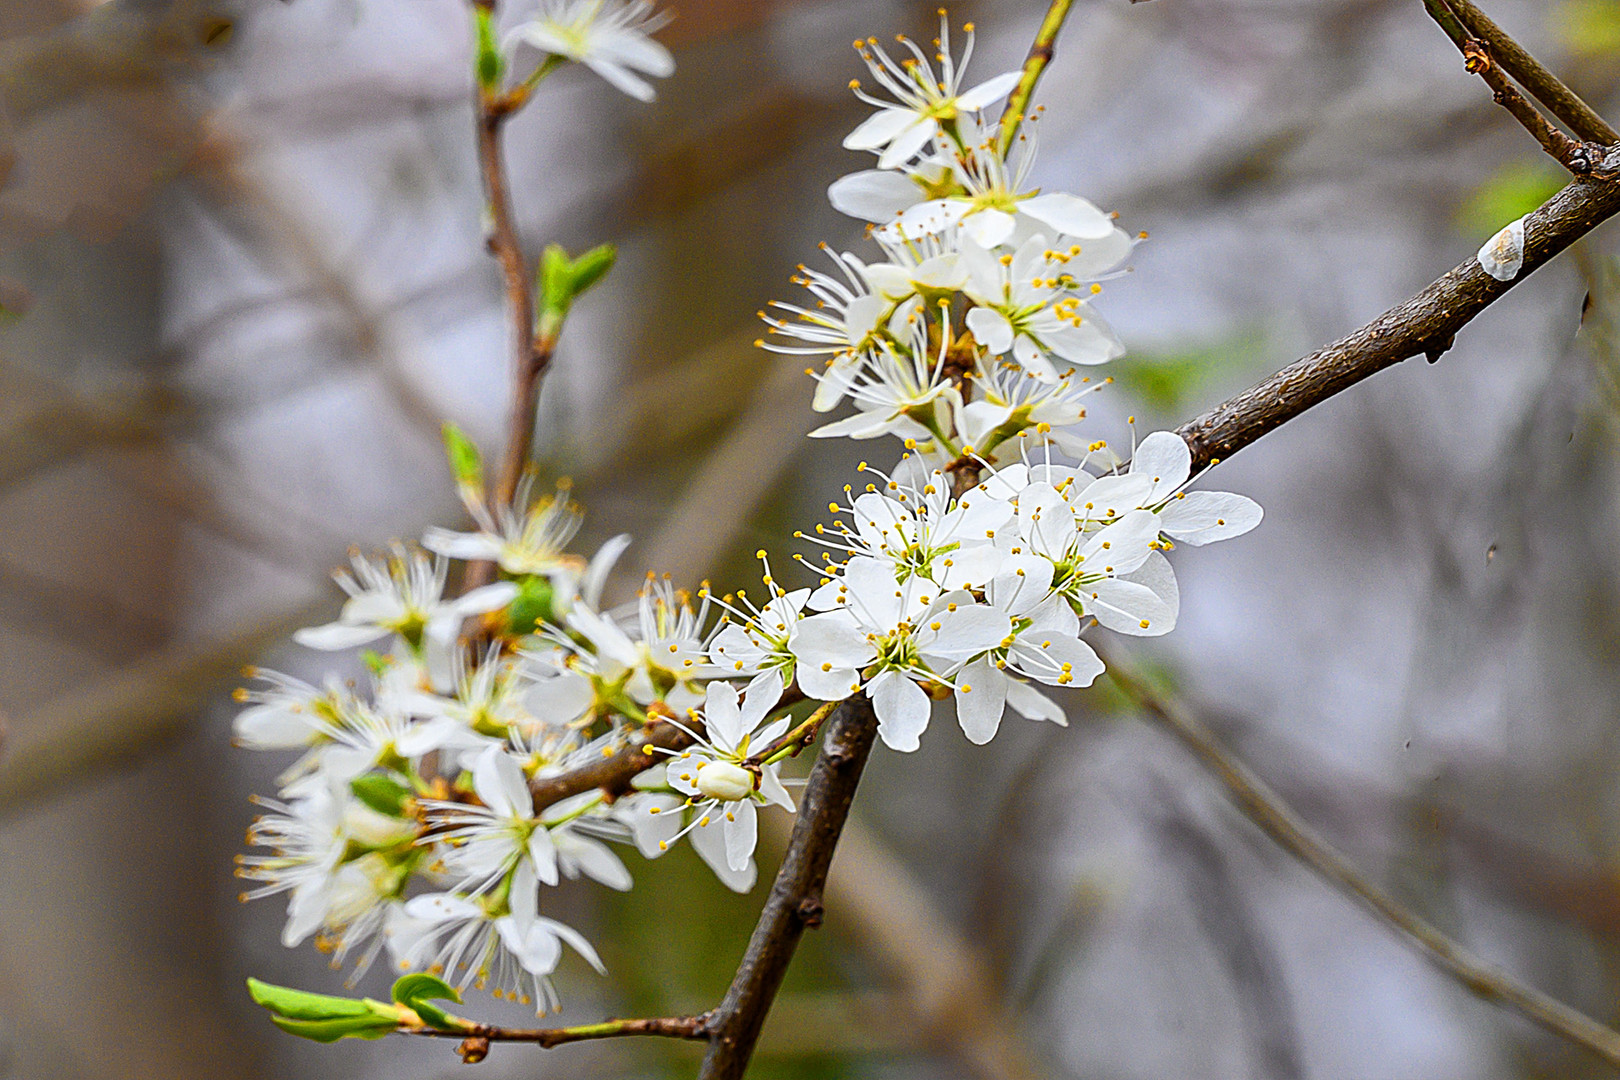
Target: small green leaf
(381, 792)
(490, 65)
(354, 1027)
(303, 1005)
(417, 991)
(591, 267)
(466, 463)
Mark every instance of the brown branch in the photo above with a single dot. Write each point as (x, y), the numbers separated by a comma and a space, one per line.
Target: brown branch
(669, 1027)
(795, 899)
(1280, 822)
(1547, 88)
(531, 352)
(611, 774)
(1424, 324)
(1478, 58)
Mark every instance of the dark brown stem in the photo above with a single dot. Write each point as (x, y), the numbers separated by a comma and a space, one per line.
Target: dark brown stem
(1546, 87)
(1280, 822)
(795, 900)
(611, 774)
(1422, 325)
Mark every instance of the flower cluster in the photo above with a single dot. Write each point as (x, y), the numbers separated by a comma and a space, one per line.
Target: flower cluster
(973, 328)
(430, 809)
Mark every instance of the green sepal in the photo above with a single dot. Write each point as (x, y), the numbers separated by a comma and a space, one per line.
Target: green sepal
(490, 65)
(418, 990)
(466, 463)
(381, 793)
(534, 603)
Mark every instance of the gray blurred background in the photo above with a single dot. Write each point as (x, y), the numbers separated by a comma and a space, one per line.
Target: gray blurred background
(242, 281)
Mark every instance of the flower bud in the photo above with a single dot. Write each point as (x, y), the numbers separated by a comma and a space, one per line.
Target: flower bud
(725, 781)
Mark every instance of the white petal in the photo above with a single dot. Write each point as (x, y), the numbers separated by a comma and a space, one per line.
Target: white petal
(991, 329)
(575, 940)
(989, 92)
(1031, 704)
(596, 861)
(461, 545)
(1125, 606)
(543, 850)
(741, 826)
(1203, 517)
(722, 717)
(908, 143)
(882, 127)
(337, 635)
(981, 697)
(988, 227)
(902, 710)
(488, 598)
(499, 781)
(1069, 215)
(874, 195)
(1166, 460)
(710, 844)
(621, 78)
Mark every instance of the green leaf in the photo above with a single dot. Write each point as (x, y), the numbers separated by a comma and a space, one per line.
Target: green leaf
(382, 793)
(466, 463)
(418, 990)
(1516, 189)
(490, 65)
(592, 266)
(369, 1026)
(303, 1005)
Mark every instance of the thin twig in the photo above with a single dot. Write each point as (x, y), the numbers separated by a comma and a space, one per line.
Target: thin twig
(1040, 54)
(1280, 822)
(669, 1027)
(794, 741)
(1479, 59)
(795, 901)
(1423, 325)
(1547, 88)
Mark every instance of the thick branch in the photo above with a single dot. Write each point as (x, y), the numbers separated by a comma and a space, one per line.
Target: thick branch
(1547, 88)
(795, 900)
(1040, 54)
(1425, 324)
(1279, 821)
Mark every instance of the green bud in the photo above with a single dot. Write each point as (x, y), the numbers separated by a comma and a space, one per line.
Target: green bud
(535, 601)
(466, 463)
(490, 65)
(381, 793)
(417, 992)
(563, 280)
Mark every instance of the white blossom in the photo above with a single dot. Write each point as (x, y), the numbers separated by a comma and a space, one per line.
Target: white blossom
(611, 37)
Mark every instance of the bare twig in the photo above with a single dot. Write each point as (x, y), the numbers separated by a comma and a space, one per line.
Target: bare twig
(669, 1027)
(1547, 88)
(1280, 822)
(1040, 54)
(1422, 325)
(795, 901)
(1479, 59)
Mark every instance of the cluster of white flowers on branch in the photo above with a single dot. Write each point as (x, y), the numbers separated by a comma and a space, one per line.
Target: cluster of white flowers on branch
(424, 816)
